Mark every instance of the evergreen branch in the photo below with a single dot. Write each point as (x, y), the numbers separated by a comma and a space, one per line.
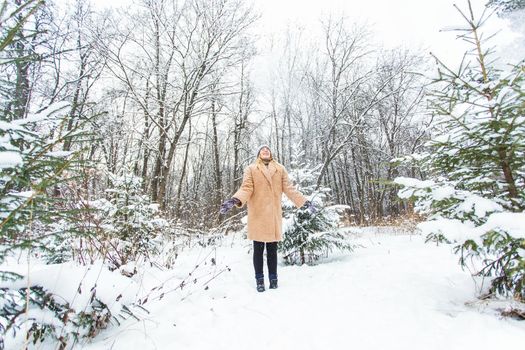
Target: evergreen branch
(39, 190)
(16, 29)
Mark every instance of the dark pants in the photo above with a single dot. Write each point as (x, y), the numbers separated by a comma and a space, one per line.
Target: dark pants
(271, 257)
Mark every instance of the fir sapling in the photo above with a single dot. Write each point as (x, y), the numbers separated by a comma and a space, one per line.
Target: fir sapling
(474, 194)
(308, 235)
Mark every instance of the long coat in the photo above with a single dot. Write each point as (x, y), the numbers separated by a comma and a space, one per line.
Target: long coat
(262, 188)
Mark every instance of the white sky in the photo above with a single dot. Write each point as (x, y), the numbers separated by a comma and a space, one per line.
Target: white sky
(407, 23)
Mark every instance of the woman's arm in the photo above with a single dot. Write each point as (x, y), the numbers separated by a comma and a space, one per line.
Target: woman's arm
(291, 192)
(244, 193)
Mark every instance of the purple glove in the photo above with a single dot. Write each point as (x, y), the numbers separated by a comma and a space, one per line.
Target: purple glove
(310, 206)
(226, 206)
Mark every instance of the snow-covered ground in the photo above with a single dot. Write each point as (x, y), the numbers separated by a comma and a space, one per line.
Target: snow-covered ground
(393, 292)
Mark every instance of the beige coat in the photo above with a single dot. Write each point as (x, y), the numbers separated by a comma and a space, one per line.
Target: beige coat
(262, 188)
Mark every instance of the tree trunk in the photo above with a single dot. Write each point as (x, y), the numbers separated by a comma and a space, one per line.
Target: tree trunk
(507, 173)
(216, 158)
(183, 174)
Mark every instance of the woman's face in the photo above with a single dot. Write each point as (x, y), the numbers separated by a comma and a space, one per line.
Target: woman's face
(265, 153)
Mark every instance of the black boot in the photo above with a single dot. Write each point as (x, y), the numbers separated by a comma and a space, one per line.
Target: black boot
(273, 283)
(260, 285)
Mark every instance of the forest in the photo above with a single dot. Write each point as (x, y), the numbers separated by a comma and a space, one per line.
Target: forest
(122, 129)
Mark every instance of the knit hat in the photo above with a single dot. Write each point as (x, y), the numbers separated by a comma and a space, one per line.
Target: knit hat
(261, 147)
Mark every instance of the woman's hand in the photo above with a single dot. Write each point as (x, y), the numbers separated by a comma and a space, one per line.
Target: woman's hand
(226, 206)
(310, 206)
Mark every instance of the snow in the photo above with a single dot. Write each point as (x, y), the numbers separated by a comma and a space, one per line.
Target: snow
(411, 182)
(411, 185)
(9, 159)
(454, 230)
(512, 223)
(23, 194)
(480, 205)
(76, 283)
(49, 112)
(6, 126)
(444, 192)
(458, 231)
(59, 154)
(394, 292)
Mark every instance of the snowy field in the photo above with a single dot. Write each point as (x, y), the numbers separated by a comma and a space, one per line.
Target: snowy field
(393, 292)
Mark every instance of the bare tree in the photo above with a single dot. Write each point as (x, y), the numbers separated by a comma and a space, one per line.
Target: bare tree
(348, 115)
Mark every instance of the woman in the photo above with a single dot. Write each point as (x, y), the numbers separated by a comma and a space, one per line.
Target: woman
(262, 187)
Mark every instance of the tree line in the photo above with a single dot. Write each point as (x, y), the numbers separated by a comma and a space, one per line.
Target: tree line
(171, 91)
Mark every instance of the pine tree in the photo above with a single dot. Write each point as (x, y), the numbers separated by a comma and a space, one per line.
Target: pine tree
(506, 6)
(475, 163)
(128, 219)
(308, 236)
(32, 168)
(33, 171)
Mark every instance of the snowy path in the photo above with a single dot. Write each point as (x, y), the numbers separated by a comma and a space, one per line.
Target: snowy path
(394, 293)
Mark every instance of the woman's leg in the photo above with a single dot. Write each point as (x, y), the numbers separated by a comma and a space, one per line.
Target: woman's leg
(258, 250)
(271, 256)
